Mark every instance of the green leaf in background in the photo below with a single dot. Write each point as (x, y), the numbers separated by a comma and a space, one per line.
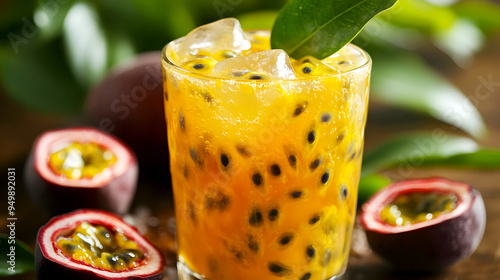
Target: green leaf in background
(420, 15)
(260, 20)
(36, 79)
(484, 159)
(91, 48)
(486, 15)
(435, 148)
(460, 38)
(322, 27)
(24, 259)
(369, 185)
(86, 44)
(461, 41)
(404, 80)
(13, 15)
(49, 18)
(380, 33)
(120, 47)
(174, 17)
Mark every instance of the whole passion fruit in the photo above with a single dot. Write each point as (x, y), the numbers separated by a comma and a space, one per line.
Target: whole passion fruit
(425, 224)
(128, 103)
(92, 244)
(81, 167)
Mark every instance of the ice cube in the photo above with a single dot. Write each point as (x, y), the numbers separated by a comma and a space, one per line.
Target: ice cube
(347, 58)
(222, 35)
(273, 64)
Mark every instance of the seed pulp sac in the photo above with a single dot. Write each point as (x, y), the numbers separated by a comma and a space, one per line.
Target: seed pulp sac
(100, 247)
(81, 160)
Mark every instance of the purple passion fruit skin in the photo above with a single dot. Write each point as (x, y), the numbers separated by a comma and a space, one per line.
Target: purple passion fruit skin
(111, 188)
(128, 103)
(52, 263)
(426, 245)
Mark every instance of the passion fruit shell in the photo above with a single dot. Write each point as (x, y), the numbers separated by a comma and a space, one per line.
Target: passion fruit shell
(128, 103)
(51, 263)
(112, 190)
(430, 245)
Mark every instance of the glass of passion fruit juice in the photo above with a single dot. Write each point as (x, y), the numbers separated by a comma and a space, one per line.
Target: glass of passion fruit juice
(265, 154)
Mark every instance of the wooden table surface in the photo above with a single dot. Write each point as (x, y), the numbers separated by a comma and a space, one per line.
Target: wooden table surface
(152, 209)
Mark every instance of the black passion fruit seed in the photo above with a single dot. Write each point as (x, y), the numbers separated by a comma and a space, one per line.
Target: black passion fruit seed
(279, 269)
(343, 192)
(193, 155)
(310, 251)
(315, 164)
(353, 155)
(340, 137)
(273, 214)
(292, 160)
(325, 177)
(253, 76)
(224, 160)
(242, 150)
(306, 70)
(311, 136)
(275, 170)
(253, 245)
(216, 201)
(325, 117)
(201, 65)
(286, 238)
(306, 276)
(299, 109)
(182, 122)
(255, 219)
(314, 219)
(296, 194)
(237, 253)
(257, 179)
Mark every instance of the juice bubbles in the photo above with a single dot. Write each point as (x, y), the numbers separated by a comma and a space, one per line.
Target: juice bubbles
(265, 155)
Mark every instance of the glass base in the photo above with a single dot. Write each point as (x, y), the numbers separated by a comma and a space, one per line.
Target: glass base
(185, 273)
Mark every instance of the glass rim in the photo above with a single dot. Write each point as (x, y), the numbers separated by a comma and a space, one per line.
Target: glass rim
(165, 58)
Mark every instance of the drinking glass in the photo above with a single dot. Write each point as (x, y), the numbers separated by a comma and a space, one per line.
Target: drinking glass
(265, 172)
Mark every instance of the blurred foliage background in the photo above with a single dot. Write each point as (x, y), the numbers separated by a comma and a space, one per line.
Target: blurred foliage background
(52, 52)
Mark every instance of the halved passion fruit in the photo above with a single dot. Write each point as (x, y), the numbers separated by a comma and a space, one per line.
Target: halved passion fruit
(77, 168)
(128, 103)
(425, 224)
(91, 244)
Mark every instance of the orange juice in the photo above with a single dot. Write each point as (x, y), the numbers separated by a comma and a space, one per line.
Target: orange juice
(265, 171)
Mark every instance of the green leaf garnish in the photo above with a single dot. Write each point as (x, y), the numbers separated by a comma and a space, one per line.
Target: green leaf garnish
(24, 259)
(419, 88)
(430, 149)
(322, 27)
